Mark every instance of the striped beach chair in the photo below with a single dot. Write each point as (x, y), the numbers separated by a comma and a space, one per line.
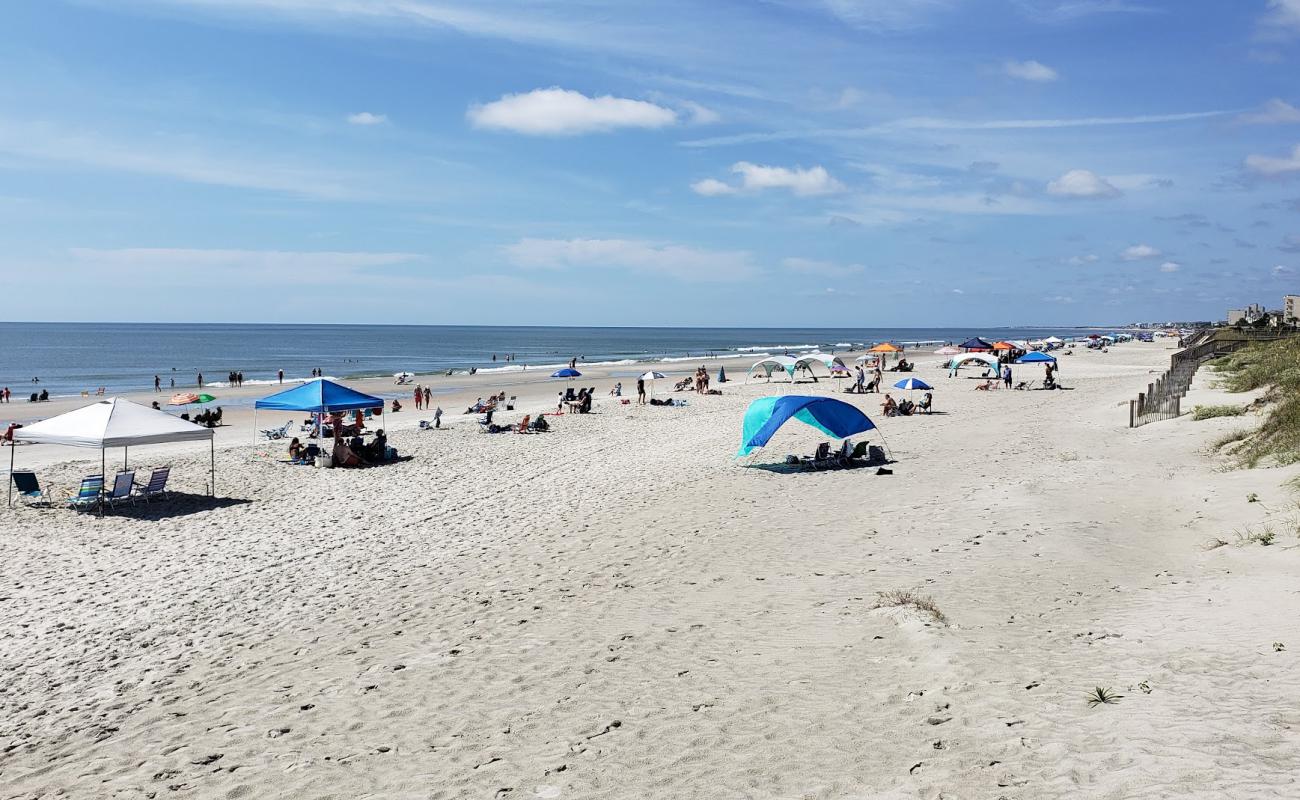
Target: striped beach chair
(92, 486)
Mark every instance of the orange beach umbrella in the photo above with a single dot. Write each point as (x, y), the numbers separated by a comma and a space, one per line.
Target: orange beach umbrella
(885, 347)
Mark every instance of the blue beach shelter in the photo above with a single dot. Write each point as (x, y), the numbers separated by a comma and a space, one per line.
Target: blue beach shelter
(1035, 358)
(832, 417)
(976, 344)
(912, 383)
(319, 397)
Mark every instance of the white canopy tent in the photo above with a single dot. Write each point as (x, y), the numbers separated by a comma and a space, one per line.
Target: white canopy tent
(113, 422)
(771, 364)
(966, 358)
(818, 365)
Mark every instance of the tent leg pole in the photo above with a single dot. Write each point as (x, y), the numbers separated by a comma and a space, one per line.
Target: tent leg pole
(103, 468)
(11, 474)
(212, 466)
(126, 451)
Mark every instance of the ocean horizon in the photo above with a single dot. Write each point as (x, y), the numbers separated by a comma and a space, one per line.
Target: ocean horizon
(71, 357)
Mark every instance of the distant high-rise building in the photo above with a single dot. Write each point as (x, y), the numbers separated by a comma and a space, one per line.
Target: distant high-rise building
(1291, 308)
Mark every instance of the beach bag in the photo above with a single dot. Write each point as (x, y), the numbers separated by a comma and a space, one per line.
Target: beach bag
(875, 455)
(324, 461)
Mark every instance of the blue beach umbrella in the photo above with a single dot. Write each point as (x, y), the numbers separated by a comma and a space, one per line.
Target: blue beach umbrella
(566, 373)
(1035, 358)
(912, 383)
(832, 417)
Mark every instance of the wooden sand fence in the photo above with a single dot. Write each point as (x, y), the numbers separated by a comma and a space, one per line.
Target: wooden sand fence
(1163, 399)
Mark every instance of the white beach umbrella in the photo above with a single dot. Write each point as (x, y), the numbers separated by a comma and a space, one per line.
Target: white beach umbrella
(650, 376)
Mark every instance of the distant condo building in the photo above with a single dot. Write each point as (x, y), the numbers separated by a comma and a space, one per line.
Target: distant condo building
(1245, 316)
(1291, 309)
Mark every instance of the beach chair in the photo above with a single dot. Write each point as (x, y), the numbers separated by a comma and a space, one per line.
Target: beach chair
(156, 487)
(277, 433)
(818, 458)
(123, 482)
(510, 404)
(860, 451)
(844, 456)
(29, 489)
(524, 424)
(92, 486)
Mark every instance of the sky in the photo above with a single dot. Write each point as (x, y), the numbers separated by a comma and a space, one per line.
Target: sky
(838, 163)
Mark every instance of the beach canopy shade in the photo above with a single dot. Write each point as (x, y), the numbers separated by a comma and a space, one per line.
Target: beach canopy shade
(976, 344)
(986, 360)
(566, 373)
(1003, 346)
(832, 417)
(806, 364)
(885, 347)
(1035, 358)
(912, 383)
(865, 359)
(947, 351)
(1054, 340)
(183, 399)
(319, 397)
(773, 363)
(652, 375)
(113, 422)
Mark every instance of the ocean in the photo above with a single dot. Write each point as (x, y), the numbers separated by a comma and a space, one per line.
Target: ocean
(69, 358)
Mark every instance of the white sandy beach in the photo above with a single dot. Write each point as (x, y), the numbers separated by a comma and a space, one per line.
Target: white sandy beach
(618, 609)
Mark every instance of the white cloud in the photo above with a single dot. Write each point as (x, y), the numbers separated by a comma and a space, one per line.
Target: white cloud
(560, 112)
(1082, 183)
(1271, 166)
(712, 187)
(651, 258)
(942, 124)
(1282, 19)
(756, 177)
(1029, 71)
(825, 269)
(1058, 11)
(366, 118)
(169, 157)
(1281, 270)
(258, 266)
(884, 14)
(701, 115)
(1139, 252)
(958, 291)
(1274, 112)
(1078, 261)
(1170, 266)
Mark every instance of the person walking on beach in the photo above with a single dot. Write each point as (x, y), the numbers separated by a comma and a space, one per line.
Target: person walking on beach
(640, 391)
(862, 380)
(5, 394)
(437, 417)
(280, 374)
(200, 380)
(428, 397)
(157, 384)
(419, 397)
(1006, 375)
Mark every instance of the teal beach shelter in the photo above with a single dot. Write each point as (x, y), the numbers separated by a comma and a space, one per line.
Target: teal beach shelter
(832, 417)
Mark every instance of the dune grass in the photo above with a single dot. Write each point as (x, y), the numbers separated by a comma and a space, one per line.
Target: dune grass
(1274, 367)
(1211, 412)
(924, 603)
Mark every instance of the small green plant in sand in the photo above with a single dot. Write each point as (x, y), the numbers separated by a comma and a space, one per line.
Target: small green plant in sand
(905, 598)
(1210, 412)
(1103, 696)
(1264, 536)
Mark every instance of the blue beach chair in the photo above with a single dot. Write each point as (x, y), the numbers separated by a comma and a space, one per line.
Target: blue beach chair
(121, 493)
(156, 487)
(29, 489)
(92, 486)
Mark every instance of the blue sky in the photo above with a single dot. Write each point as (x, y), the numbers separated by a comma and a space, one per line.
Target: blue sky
(716, 162)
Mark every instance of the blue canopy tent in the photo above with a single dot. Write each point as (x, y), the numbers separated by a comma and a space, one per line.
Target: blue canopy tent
(832, 417)
(975, 344)
(1035, 358)
(317, 397)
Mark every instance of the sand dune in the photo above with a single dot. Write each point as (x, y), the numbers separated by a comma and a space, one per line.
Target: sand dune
(617, 609)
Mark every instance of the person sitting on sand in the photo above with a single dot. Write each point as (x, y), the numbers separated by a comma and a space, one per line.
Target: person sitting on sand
(379, 447)
(984, 387)
(927, 403)
(344, 456)
(889, 407)
(397, 406)
(297, 453)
